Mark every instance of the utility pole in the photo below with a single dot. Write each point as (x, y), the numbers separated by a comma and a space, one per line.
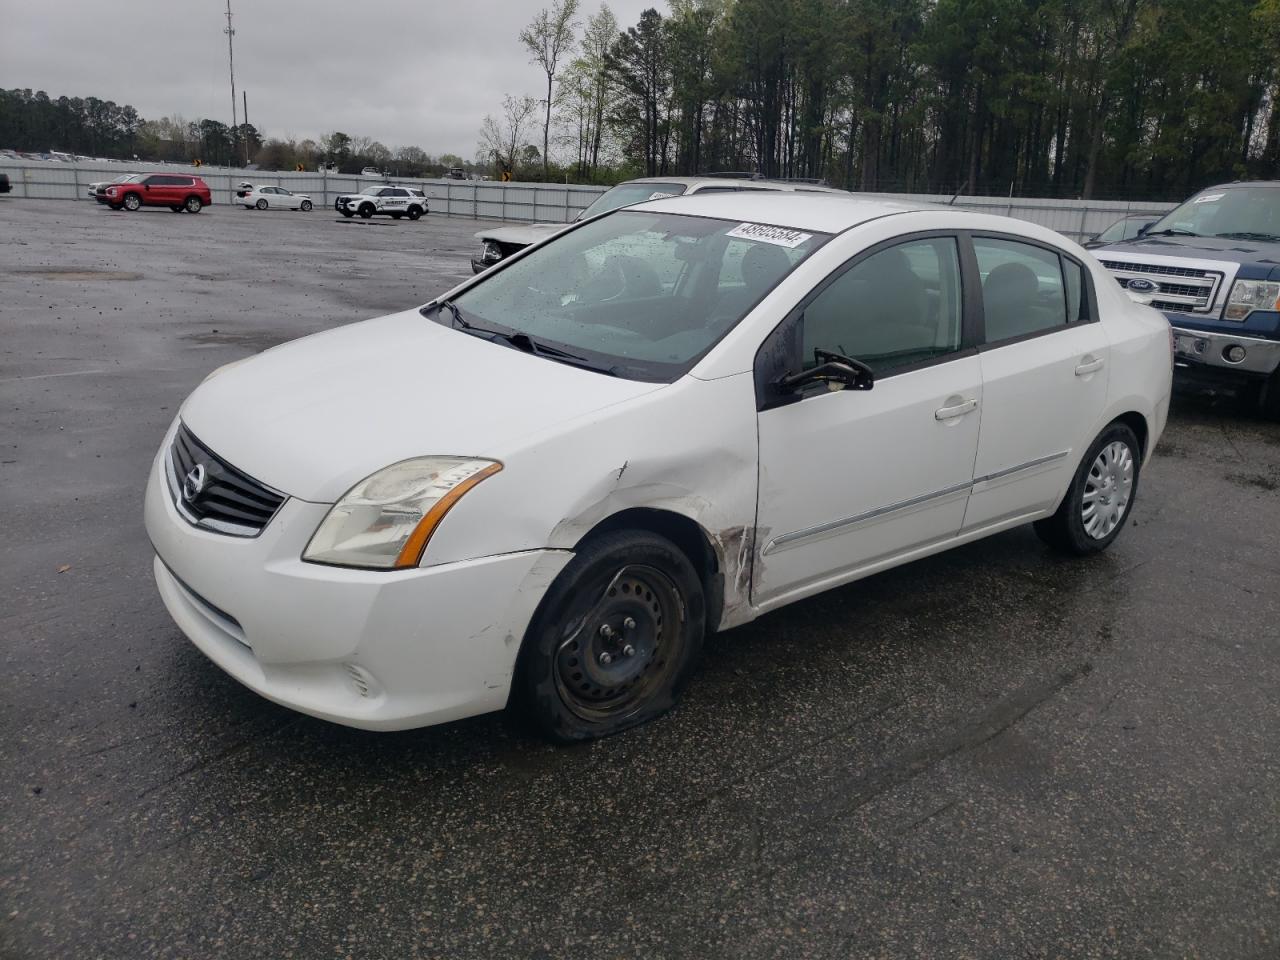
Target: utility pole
(231, 60)
(245, 94)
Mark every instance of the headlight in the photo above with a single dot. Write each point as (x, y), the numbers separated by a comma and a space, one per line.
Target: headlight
(385, 521)
(492, 252)
(111, 191)
(1250, 295)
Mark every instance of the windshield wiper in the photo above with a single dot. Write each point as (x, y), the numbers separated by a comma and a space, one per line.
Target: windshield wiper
(1171, 233)
(1248, 235)
(521, 341)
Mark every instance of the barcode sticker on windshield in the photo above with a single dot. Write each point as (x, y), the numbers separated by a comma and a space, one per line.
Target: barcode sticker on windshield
(1210, 198)
(779, 236)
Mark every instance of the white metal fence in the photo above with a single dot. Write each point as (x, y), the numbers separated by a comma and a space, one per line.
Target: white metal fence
(541, 202)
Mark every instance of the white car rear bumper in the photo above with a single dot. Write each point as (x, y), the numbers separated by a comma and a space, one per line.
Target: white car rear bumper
(369, 649)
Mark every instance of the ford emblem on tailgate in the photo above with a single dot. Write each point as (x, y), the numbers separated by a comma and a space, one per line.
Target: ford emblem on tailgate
(1139, 285)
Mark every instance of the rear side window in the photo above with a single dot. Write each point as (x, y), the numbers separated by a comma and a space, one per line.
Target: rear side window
(1023, 290)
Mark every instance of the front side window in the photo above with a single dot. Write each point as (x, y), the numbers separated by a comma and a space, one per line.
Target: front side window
(642, 295)
(898, 307)
(1022, 288)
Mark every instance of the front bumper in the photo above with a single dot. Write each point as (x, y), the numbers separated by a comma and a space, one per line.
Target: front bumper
(380, 650)
(1200, 348)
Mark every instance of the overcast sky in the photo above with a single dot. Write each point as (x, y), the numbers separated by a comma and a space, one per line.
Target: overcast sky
(405, 72)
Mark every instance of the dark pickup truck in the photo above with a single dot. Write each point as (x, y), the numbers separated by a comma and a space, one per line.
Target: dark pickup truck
(1212, 266)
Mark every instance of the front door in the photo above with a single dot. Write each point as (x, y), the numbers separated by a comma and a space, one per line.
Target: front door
(850, 479)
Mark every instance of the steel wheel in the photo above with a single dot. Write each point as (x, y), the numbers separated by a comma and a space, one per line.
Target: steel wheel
(1107, 490)
(615, 656)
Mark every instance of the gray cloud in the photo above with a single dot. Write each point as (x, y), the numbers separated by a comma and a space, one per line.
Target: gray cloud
(421, 72)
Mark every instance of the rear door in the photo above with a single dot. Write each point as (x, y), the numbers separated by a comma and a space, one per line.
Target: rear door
(1045, 371)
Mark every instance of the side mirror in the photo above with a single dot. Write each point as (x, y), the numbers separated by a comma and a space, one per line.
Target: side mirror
(835, 370)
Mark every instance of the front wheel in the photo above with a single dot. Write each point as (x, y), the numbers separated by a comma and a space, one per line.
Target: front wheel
(132, 202)
(366, 210)
(1101, 494)
(615, 639)
(261, 204)
(193, 205)
(305, 206)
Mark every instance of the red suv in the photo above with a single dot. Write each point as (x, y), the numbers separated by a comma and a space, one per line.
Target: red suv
(176, 191)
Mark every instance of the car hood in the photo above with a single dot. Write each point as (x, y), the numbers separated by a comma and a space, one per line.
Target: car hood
(1202, 248)
(314, 417)
(522, 235)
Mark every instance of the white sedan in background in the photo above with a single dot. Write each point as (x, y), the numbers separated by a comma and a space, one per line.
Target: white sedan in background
(264, 198)
(551, 483)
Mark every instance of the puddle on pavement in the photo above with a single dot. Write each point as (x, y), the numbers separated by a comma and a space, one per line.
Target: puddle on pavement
(260, 341)
(76, 273)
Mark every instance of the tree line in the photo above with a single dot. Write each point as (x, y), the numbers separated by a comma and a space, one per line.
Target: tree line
(35, 122)
(1059, 98)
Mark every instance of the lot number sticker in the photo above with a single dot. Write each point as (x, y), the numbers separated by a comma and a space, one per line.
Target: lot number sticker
(778, 236)
(1210, 198)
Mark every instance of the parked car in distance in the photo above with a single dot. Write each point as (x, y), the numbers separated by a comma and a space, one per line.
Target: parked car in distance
(372, 172)
(97, 189)
(499, 242)
(267, 197)
(706, 408)
(379, 200)
(178, 192)
(1126, 228)
(1210, 266)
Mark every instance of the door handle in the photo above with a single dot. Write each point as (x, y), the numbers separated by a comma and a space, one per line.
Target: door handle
(955, 410)
(1089, 364)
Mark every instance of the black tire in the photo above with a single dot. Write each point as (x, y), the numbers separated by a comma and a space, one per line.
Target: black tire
(645, 590)
(1269, 397)
(261, 204)
(132, 202)
(366, 210)
(415, 213)
(348, 214)
(193, 204)
(305, 206)
(1066, 530)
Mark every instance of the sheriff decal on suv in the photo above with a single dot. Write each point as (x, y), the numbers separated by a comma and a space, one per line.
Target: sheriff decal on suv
(383, 200)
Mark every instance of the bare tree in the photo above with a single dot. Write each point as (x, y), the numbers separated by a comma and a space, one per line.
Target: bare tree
(548, 38)
(500, 140)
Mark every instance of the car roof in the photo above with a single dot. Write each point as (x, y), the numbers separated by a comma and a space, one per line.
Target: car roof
(1242, 183)
(759, 183)
(799, 210)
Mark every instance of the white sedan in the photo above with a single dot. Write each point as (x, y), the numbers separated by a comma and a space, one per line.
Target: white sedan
(551, 483)
(265, 198)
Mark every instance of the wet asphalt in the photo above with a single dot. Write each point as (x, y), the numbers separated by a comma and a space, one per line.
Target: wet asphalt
(994, 753)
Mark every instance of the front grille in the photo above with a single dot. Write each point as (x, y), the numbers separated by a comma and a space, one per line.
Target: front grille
(211, 493)
(1194, 294)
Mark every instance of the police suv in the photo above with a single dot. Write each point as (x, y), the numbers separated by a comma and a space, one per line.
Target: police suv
(383, 200)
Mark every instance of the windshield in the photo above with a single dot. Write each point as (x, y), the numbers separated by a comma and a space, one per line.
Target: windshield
(637, 295)
(1250, 212)
(1125, 229)
(625, 194)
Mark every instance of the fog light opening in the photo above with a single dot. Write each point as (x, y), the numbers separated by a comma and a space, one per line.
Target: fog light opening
(1234, 353)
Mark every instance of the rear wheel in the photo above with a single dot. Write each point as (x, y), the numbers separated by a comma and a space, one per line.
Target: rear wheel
(261, 204)
(366, 210)
(415, 213)
(615, 639)
(1101, 494)
(305, 206)
(132, 202)
(193, 204)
